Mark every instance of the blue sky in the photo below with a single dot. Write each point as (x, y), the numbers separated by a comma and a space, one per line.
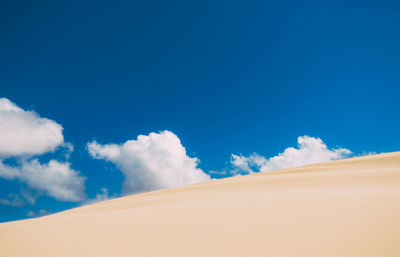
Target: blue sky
(225, 77)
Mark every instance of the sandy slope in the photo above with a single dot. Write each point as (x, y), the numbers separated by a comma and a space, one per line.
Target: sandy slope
(341, 208)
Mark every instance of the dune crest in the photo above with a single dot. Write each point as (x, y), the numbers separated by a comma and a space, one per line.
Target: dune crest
(341, 208)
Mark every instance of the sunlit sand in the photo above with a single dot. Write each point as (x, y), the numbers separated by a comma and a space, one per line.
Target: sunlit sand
(341, 208)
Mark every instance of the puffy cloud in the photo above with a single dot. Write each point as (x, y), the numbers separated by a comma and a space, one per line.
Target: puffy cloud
(310, 150)
(151, 162)
(55, 178)
(25, 133)
(9, 172)
(247, 164)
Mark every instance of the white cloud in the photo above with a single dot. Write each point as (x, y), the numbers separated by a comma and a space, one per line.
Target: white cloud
(41, 212)
(9, 172)
(151, 162)
(247, 164)
(30, 196)
(30, 213)
(25, 132)
(26, 196)
(310, 150)
(57, 179)
(13, 200)
(103, 196)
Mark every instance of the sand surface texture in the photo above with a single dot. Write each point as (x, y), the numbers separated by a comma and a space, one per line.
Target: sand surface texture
(341, 208)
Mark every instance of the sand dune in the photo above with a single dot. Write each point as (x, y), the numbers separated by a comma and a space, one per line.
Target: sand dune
(341, 208)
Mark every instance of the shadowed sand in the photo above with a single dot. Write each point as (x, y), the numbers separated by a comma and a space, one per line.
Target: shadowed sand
(341, 208)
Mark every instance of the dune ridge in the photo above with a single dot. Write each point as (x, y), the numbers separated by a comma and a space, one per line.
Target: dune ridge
(347, 207)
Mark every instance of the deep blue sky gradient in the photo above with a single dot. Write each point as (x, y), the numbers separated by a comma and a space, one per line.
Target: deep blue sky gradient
(225, 76)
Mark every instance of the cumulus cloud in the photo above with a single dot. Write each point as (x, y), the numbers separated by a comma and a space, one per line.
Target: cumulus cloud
(56, 179)
(25, 132)
(310, 150)
(247, 164)
(151, 162)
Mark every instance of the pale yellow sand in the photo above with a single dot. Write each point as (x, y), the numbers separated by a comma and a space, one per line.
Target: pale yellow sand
(341, 208)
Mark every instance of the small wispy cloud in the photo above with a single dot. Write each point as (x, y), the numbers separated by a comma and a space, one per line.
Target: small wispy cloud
(103, 196)
(40, 213)
(13, 200)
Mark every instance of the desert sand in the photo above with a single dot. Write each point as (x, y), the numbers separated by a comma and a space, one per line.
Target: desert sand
(341, 208)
